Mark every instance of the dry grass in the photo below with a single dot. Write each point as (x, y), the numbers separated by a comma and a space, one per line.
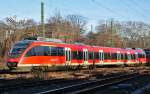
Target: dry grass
(75, 74)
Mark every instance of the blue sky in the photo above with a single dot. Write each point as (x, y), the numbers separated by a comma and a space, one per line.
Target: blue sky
(93, 10)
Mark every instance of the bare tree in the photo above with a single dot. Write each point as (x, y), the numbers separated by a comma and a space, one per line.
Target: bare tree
(69, 28)
(12, 30)
(79, 25)
(108, 34)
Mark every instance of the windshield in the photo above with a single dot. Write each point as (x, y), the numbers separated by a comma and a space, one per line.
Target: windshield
(18, 49)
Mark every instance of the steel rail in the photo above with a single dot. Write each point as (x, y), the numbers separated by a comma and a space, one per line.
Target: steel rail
(103, 86)
(30, 84)
(84, 87)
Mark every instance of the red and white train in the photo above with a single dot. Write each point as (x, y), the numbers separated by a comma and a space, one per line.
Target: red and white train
(29, 53)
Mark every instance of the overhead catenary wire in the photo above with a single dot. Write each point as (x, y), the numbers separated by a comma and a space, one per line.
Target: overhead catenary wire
(135, 10)
(140, 9)
(126, 3)
(138, 5)
(111, 22)
(107, 8)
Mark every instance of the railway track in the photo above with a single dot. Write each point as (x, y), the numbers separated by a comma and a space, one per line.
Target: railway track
(76, 88)
(92, 86)
(35, 83)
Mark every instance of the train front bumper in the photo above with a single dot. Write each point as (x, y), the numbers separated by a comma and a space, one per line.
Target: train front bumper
(12, 64)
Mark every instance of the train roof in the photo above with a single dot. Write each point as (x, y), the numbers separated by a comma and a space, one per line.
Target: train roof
(41, 40)
(71, 45)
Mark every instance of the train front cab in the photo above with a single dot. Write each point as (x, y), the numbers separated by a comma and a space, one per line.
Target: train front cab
(42, 54)
(15, 53)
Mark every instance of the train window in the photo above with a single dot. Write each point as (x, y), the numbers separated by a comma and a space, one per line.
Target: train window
(74, 55)
(39, 51)
(126, 57)
(54, 51)
(114, 56)
(36, 51)
(122, 57)
(90, 55)
(31, 52)
(60, 51)
(139, 56)
(134, 56)
(16, 52)
(107, 56)
(46, 51)
(96, 55)
(77, 55)
(118, 56)
(80, 55)
(129, 56)
(18, 49)
(147, 54)
(110, 55)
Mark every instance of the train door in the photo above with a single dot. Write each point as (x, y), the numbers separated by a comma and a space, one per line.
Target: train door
(85, 56)
(101, 56)
(118, 56)
(67, 56)
(128, 57)
(136, 57)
